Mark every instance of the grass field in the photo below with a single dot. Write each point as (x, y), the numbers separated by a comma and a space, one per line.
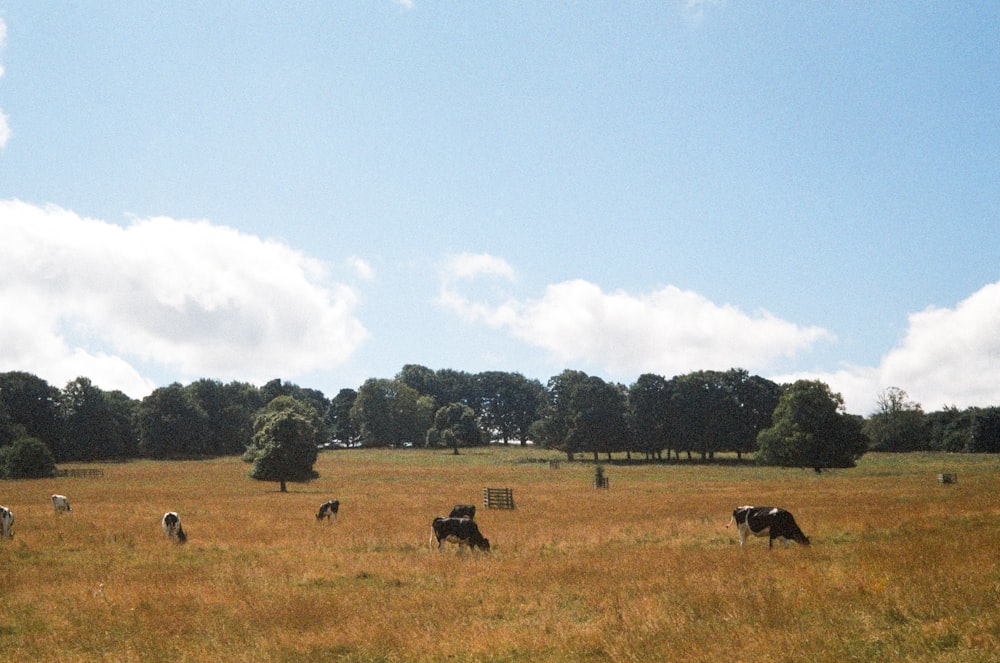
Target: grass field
(902, 568)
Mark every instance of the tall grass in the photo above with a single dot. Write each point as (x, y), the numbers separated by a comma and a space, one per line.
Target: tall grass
(901, 568)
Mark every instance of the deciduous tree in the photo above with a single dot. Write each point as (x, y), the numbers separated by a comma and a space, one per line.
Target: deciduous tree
(284, 445)
(172, 424)
(389, 413)
(510, 403)
(455, 425)
(27, 458)
(810, 430)
(898, 424)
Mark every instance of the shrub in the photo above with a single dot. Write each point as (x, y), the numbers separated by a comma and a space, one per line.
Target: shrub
(27, 458)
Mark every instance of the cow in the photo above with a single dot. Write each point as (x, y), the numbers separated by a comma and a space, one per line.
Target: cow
(6, 523)
(768, 521)
(61, 504)
(463, 511)
(462, 531)
(172, 526)
(327, 509)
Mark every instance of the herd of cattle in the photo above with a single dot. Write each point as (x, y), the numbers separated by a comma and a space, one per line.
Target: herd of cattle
(460, 526)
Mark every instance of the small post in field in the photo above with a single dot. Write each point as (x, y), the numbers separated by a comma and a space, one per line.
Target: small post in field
(600, 481)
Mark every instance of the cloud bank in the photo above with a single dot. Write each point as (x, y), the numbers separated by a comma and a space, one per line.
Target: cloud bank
(86, 297)
(948, 356)
(668, 331)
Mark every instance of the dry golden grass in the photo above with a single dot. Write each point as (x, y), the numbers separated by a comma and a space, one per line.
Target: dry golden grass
(901, 568)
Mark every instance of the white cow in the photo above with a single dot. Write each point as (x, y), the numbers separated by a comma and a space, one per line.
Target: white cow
(6, 522)
(61, 504)
(327, 509)
(172, 526)
(768, 521)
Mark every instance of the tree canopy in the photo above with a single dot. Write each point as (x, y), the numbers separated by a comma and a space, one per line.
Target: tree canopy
(455, 425)
(284, 446)
(897, 425)
(810, 430)
(703, 413)
(390, 413)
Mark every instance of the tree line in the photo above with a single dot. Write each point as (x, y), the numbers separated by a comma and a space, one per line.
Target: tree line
(696, 415)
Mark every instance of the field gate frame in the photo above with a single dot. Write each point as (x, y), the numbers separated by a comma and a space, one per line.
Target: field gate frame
(498, 498)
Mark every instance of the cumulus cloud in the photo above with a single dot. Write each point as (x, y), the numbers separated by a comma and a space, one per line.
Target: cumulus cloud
(948, 356)
(86, 297)
(669, 331)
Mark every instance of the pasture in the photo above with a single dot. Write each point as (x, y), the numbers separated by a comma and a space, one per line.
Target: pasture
(901, 567)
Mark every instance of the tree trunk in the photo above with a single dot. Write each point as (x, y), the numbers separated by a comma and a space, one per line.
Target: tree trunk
(284, 488)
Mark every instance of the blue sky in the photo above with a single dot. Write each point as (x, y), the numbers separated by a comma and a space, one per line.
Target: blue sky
(327, 192)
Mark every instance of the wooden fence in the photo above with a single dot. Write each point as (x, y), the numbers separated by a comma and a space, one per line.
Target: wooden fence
(81, 472)
(498, 498)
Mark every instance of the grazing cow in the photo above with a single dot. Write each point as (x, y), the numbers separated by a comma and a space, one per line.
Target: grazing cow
(61, 504)
(462, 531)
(172, 526)
(6, 522)
(463, 511)
(767, 521)
(327, 509)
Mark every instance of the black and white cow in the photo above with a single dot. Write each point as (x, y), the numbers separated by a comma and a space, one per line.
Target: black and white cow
(61, 504)
(462, 531)
(463, 511)
(768, 521)
(327, 509)
(6, 522)
(172, 526)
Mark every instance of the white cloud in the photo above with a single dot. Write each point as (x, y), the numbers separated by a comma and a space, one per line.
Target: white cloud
(86, 297)
(694, 10)
(463, 266)
(858, 385)
(361, 268)
(4, 130)
(668, 331)
(949, 356)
